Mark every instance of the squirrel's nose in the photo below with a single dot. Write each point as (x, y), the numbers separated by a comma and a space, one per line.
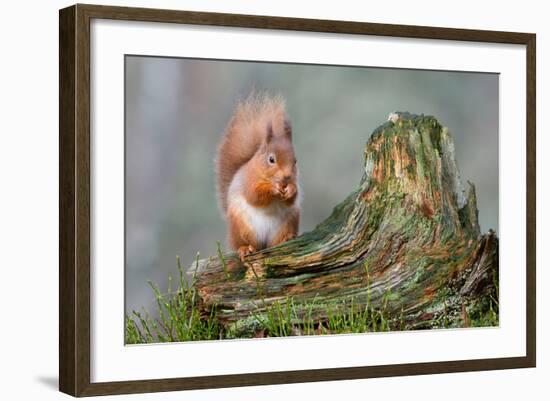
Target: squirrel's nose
(286, 179)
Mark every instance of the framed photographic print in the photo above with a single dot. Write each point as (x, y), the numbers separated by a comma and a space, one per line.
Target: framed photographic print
(250, 200)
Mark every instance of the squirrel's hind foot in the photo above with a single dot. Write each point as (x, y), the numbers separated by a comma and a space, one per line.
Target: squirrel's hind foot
(245, 250)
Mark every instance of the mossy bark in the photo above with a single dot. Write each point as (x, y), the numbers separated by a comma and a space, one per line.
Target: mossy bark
(406, 241)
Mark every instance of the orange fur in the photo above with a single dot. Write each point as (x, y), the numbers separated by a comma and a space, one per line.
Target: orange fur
(240, 233)
(258, 140)
(244, 135)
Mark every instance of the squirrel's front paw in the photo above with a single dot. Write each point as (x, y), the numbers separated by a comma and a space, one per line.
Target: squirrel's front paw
(276, 191)
(245, 250)
(289, 192)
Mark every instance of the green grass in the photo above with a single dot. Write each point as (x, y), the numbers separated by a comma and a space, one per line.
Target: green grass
(282, 319)
(181, 319)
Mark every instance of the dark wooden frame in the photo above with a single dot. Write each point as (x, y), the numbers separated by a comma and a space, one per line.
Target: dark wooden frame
(74, 199)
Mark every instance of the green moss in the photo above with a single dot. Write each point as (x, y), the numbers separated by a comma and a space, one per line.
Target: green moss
(388, 225)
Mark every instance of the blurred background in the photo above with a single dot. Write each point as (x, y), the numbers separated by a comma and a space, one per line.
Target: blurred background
(177, 109)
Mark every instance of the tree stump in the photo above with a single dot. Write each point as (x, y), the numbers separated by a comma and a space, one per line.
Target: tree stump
(407, 241)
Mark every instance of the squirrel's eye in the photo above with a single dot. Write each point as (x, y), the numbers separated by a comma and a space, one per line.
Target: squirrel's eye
(271, 159)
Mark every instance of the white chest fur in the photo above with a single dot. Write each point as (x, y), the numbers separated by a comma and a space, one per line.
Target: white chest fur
(266, 222)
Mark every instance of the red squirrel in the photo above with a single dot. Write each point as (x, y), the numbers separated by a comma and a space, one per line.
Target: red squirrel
(257, 176)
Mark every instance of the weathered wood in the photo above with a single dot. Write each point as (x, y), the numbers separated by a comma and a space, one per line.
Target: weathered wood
(406, 240)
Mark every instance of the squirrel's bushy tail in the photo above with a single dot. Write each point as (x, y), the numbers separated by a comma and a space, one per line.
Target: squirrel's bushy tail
(243, 136)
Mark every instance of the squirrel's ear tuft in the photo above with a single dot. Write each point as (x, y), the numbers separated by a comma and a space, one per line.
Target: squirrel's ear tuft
(269, 135)
(288, 129)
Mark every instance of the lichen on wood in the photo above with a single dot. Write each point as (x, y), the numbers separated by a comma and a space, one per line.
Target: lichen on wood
(407, 241)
